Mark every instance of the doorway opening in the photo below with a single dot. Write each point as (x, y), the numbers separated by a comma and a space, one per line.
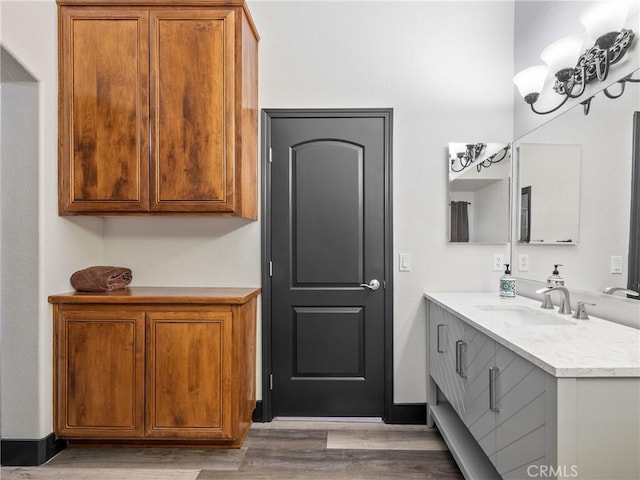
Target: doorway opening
(327, 265)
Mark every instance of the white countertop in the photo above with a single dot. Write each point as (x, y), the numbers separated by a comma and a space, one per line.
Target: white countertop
(582, 348)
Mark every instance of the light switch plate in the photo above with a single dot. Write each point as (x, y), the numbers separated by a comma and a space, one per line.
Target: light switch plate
(405, 262)
(523, 262)
(498, 262)
(616, 264)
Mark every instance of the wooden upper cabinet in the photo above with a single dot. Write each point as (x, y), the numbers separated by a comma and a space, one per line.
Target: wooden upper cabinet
(104, 111)
(192, 91)
(158, 108)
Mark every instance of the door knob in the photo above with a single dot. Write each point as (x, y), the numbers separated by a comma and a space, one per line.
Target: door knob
(372, 285)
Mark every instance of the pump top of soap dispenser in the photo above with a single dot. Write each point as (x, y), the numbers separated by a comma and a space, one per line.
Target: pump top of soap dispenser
(555, 278)
(507, 271)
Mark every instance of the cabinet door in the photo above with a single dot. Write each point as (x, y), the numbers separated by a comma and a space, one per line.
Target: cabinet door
(445, 331)
(437, 345)
(99, 373)
(478, 359)
(104, 105)
(192, 110)
(190, 385)
(524, 425)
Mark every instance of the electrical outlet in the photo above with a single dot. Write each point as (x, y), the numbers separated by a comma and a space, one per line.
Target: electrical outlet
(498, 262)
(616, 264)
(523, 262)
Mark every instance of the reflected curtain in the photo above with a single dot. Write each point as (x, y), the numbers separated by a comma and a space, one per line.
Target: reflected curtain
(459, 222)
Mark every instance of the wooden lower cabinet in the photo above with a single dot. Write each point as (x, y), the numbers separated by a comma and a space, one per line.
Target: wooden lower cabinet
(189, 360)
(157, 366)
(100, 373)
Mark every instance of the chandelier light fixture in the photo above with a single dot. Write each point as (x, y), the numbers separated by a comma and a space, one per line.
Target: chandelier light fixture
(603, 21)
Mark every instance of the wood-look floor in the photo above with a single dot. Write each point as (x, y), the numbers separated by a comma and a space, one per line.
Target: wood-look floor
(280, 450)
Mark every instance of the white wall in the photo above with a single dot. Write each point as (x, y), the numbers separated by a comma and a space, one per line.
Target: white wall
(445, 68)
(56, 247)
(492, 211)
(19, 243)
(537, 24)
(409, 56)
(553, 173)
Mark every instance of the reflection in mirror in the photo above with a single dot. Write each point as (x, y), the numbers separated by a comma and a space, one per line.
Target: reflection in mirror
(479, 182)
(604, 138)
(549, 180)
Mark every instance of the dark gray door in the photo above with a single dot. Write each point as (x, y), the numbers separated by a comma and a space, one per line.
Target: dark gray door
(328, 208)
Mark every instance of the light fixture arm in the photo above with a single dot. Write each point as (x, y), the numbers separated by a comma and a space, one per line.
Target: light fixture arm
(613, 96)
(487, 162)
(557, 107)
(466, 158)
(595, 63)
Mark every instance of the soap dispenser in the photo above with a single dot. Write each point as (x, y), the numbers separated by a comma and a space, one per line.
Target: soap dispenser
(507, 284)
(555, 279)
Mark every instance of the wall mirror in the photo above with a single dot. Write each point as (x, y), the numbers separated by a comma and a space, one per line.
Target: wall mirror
(479, 198)
(549, 186)
(592, 192)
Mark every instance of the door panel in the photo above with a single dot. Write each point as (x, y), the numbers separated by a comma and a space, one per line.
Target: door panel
(192, 85)
(102, 358)
(104, 94)
(327, 238)
(321, 330)
(189, 364)
(328, 234)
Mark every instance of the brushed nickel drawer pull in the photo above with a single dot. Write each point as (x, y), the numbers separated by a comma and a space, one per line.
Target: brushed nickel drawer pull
(463, 359)
(439, 344)
(493, 377)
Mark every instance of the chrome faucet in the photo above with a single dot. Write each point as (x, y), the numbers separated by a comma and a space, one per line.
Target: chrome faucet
(625, 291)
(565, 304)
(581, 311)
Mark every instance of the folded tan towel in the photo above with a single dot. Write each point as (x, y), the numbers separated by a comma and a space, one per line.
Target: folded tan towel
(101, 279)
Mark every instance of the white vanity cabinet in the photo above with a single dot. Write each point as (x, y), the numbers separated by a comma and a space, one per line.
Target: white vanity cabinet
(445, 330)
(502, 399)
(511, 417)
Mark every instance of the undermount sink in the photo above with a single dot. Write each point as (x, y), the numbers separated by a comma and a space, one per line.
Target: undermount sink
(522, 316)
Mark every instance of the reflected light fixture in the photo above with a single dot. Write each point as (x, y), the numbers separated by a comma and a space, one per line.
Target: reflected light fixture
(495, 158)
(602, 21)
(466, 158)
(472, 152)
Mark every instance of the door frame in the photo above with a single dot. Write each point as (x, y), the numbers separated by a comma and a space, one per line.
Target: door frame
(633, 279)
(386, 114)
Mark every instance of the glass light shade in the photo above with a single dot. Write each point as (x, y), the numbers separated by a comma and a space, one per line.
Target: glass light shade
(600, 18)
(531, 80)
(562, 53)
